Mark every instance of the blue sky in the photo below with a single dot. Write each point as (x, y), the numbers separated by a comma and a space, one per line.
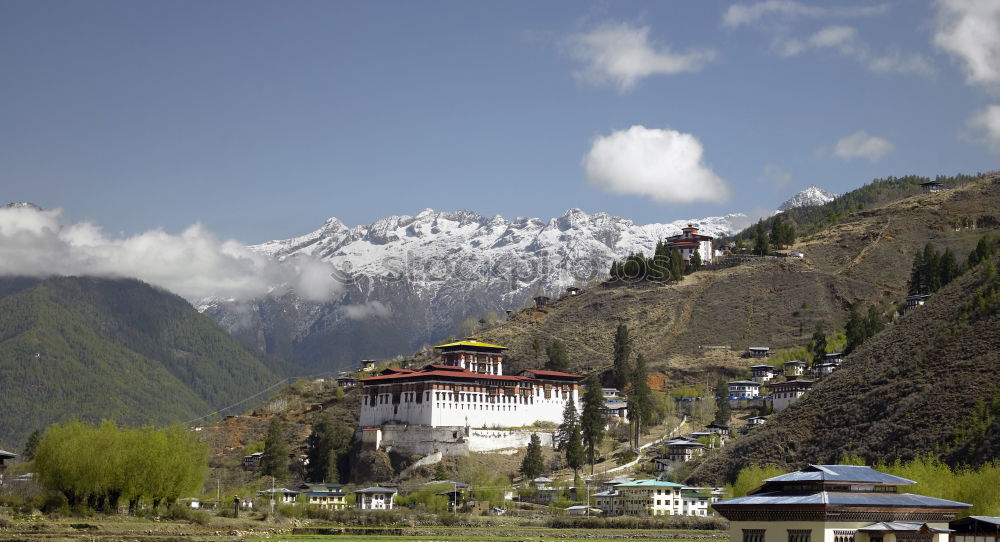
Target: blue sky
(262, 119)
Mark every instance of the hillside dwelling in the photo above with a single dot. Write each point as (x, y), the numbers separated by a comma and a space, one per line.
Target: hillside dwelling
(744, 389)
(683, 450)
(374, 498)
(914, 301)
(762, 373)
(542, 482)
(796, 254)
(367, 365)
(281, 495)
(252, 461)
(834, 357)
(718, 429)
(976, 529)
(615, 405)
(784, 394)
(5, 456)
(541, 301)
(837, 503)
(662, 464)
(823, 369)
(931, 187)
(796, 367)
(758, 351)
(573, 290)
(690, 242)
(347, 382)
(609, 485)
(468, 389)
(756, 420)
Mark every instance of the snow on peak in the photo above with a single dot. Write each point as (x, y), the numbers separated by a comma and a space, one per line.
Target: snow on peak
(813, 195)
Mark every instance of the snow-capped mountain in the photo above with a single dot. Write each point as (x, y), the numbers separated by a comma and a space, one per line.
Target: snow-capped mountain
(813, 195)
(410, 280)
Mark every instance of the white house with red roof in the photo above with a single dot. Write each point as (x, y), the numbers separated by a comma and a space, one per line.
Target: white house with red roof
(467, 389)
(690, 241)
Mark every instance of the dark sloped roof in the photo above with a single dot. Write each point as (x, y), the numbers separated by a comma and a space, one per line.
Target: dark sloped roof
(837, 499)
(7, 455)
(841, 473)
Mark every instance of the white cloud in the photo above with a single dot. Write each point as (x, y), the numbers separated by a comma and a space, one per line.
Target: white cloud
(621, 54)
(968, 30)
(985, 127)
(845, 40)
(194, 264)
(745, 14)
(861, 145)
(665, 165)
(371, 309)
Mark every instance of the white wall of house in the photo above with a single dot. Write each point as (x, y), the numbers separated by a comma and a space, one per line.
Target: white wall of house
(782, 399)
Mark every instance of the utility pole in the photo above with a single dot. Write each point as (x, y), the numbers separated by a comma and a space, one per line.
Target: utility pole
(272, 498)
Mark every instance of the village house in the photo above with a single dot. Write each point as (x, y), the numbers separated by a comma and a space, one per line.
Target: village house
(683, 450)
(917, 300)
(374, 498)
(694, 503)
(931, 187)
(5, 456)
(467, 389)
(785, 393)
(976, 529)
(648, 498)
(573, 290)
(615, 407)
(367, 366)
(825, 368)
(541, 301)
(252, 461)
(329, 496)
(281, 495)
(744, 389)
(347, 382)
(834, 357)
(758, 351)
(583, 510)
(719, 429)
(796, 367)
(837, 503)
(762, 373)
(756, 420)
(689, 242)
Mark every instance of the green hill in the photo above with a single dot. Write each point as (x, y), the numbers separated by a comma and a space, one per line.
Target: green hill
(91, 348)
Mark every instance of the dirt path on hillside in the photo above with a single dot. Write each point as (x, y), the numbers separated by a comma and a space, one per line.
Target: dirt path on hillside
(683, 318)
(861, 255)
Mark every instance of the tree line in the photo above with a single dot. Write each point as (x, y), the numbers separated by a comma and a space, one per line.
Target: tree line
(106, 466)
(666, 265)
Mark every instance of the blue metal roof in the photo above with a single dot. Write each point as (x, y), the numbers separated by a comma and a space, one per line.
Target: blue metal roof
(841, 473)
(831, 498)
(987, 519)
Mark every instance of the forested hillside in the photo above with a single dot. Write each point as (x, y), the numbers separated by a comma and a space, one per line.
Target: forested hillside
(926, 384)
(89, 348)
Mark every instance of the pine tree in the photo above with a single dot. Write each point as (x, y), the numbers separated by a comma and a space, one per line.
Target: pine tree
(275, 460)
(856, 330)
(558, 359)
(622, 353)
(722, 412)
(592, 418)
(677, 265)
(947, 267)
(983, 251)
(761, 246)
(818, 344)
(640, 399)
(533, 464)
(324, 447)
(29, 447)
(571, 439)
(873, 324)
(695, 262)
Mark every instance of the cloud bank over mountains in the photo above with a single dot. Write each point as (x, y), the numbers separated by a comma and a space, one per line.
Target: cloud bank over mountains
(194, 264)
